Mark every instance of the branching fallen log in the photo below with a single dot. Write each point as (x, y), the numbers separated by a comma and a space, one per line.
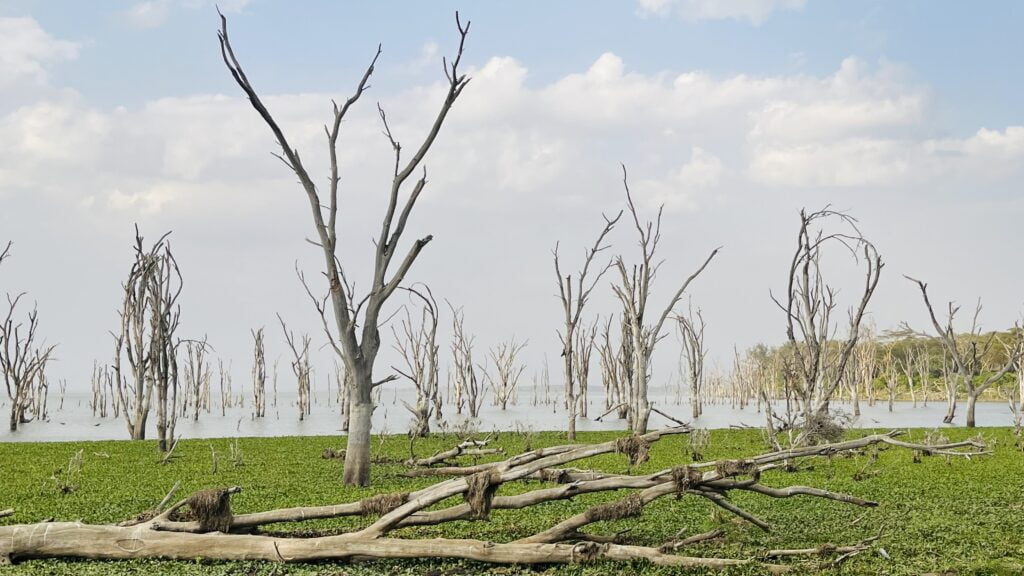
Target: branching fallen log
(203, 524)
(466, 448)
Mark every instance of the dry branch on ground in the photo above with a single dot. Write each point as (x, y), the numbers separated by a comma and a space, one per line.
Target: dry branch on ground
(203, 524)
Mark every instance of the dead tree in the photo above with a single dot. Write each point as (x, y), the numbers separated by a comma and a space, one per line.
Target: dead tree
(965, 356)
(197, 378)
(468, 389)
(507, 371)
(216, 532)
(633, 292)
(572, 310)
(224, 381)
(417, 344)
(359, 341)
(891, 376)
(149, 319)
(301, 367)
(23, 361)
(259, 375)
(818, 364)
(691, 332)
(609, 362)
(865, 360)
(583, 350)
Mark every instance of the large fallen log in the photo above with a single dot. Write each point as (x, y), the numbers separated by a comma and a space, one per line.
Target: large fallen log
(203, 524)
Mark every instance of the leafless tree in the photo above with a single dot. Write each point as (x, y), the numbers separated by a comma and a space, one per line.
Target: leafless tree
(468, 389)
(964, 356)
(691, 331)
(891, 376)
(505, 357)
(582, 351)
(259, 374)
(818, 361)
(417, 344)
(197, 378)
(23, 361)
(633, 292)
(359, 341)
(301, 367)
(574, 297)
(149, 319)
(865, 359)
(227, 397)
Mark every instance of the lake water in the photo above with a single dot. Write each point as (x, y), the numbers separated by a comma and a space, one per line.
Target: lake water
(76, 422)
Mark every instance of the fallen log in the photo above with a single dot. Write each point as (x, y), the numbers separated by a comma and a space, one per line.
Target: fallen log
(214, 532)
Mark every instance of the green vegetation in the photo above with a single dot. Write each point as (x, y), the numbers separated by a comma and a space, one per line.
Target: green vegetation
(962, 516)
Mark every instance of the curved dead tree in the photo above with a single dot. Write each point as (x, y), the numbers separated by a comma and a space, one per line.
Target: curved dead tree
(965, 354)
(816, 361)
(574, 296)
(633, 291)
(214, 531)
(149, 319)
(359, 340)
(417, 344)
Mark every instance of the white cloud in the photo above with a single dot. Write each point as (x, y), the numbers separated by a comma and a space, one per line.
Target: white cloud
(754, 11)
(25, 51)
(154, 13)
(149, 14)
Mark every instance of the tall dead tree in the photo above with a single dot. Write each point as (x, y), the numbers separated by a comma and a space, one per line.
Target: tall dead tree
(417, 344)
(23, 362)
(818, 362)
(574, 297)
(633, 292)
(507, 368)
(149, 319)
(583, 350)
(259, 375)
(197, 378)
(301, 367)
(359, 341)
(462, 373)
(691, 332)
(965, 357)
(865, 359)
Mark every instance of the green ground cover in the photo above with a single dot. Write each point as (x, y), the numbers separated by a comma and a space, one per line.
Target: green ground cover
(962, 517)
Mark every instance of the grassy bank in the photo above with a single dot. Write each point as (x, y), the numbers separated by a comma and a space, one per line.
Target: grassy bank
(966, 517)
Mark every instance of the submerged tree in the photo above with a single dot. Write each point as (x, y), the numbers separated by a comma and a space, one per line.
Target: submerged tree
(965, 356)
(22, 360)
(358, 341)
(691, 331)
(417, 344)
(149, 319)
(633, 291)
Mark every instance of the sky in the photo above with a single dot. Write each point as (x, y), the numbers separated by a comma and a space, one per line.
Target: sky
(731, 114)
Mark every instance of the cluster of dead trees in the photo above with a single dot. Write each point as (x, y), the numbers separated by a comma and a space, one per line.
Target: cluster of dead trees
(23, 359)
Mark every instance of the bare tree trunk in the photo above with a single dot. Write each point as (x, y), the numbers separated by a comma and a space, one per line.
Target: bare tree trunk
(633, 292)
(259, 375)
(359, 351)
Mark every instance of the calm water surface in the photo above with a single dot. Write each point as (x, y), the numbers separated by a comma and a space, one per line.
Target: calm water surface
(76, 422)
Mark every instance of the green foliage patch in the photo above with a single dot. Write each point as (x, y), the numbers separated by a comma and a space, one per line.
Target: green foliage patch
(964, 517)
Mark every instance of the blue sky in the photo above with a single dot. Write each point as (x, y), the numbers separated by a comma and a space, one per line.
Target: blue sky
(733, 114)
(966, 53)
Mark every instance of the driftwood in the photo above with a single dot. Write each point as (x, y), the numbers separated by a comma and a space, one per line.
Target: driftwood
(203, 524)
(465, 448)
